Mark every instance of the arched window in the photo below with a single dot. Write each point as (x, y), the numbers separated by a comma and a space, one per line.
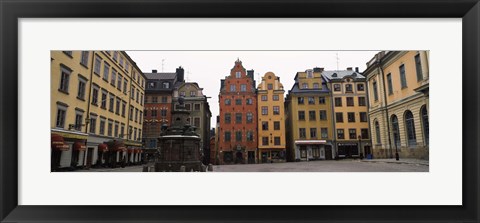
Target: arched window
(377, 132)
(410, 127)
(396, 130)
(424, 115)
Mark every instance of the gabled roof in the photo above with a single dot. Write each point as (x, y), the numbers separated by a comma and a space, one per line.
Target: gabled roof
(160, 76)
(340, 74)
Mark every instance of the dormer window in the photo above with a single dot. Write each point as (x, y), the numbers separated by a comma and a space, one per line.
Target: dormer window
(166, 85)
(238, 74)
(309, 74)
(315, 86)
(304, 86)
(334, 75)
(151, 85)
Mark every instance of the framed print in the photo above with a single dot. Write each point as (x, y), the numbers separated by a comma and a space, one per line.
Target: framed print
(412, 39)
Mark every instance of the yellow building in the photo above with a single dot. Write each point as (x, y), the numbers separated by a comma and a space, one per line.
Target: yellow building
(398, 88)
(349, 97)
(308, 114)
(96, 109)
(271, 119)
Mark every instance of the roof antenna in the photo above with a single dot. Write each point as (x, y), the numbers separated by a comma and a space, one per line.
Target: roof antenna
(163, 60)
(337, 61)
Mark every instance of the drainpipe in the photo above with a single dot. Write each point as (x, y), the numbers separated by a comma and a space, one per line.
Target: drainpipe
(386, 109)
(333, 122)
(87, 120)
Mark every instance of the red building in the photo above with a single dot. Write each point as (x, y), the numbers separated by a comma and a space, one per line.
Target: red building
(238, 117)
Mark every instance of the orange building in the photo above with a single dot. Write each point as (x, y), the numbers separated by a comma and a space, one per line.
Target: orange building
(238, 117)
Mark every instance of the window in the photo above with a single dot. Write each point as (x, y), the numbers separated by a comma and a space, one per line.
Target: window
(426, 130)
(61, 113)
(340, 134)
(193, 93)
(264, 141)
(311, 100)
(152, 84)
(276, 97)
(264, 110)
(323, 114)
(238, 118)
(352, 133)
(78, 120)
(135, 133)
(104, 100)
(377, 132)
(360, 87)
(187, 107)
(243, 87)
(375, 91)
(115, 55)
(276, 110)
(238, 136)
(141, 99)
(249, 117)
(84, 59)
(403, 78)
(130, 130)
(418, 67)
(122, 130)
(64, 79)
(300, 100)
(132, 93)
(249, 136)
(119, 82)
(238, 101)
(228, 118)
(364, 133)
(102, 127)
(362, 101)
(130, 114)
(163, 112)
(154, 113)
(145, 112)
(166, 85)
(303, 133)
(117, 108)
(82, 83)
(125, 83)
(301, 115)
(93, 124)
(270, 86)
(69, 53)
(305, 86)
(227, 136)
(121, 61)
(276, 140)
(124, 104)
(264, 125)
(106, 71)
(338, 102)
(196, 122)
(309, 74)
(313, 132)
(264, 97)
(410, 127)
(351, 116)
(312, 115)
(390, 85)
(315, 86)
(276, 125)
(196, 107)
(98, 65)
(115, 131)
(339, 117)
(321, 100)
(110, 128)
(249, 101)
(232, 88)
(113, 77)
(137, 98)
(164, 99)
(303, 152)
(112, 102)
(227, 101)
(348, 88)
(363, 117)
(350, 101)
(324, 132)
(94, 95)
(336, 87)
(238, 74)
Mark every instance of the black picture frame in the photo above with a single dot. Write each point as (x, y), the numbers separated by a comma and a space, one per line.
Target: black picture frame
(12, 10)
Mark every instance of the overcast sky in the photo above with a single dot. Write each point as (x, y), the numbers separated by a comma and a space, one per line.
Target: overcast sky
(208, 67)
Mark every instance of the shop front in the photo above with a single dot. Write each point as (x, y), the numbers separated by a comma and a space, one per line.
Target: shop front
(68, 149)
(348, 149)
(306, 150)
(272, 155)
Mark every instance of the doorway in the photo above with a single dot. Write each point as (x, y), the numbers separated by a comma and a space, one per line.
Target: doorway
(89, 157)
(251, 157)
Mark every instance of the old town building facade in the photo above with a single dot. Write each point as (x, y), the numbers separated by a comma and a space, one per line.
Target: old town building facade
(398, 103)
(97, 104)
(308, 115)
(238, 117)
(271, 120)
(349, 99)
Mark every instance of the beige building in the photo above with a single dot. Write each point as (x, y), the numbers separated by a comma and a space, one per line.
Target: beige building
(271, 119)
(96, 109)
(398, 89)
(349, 97)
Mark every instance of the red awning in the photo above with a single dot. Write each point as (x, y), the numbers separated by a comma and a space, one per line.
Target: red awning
(58, 143)
(131, 150)
(79, 146)
(103, 147)
(137, 150)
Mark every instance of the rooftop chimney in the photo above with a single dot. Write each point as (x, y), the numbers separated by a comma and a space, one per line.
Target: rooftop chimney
(349, 68)
(250, 74)
(154, 71)
(180, 74)
(356, 70)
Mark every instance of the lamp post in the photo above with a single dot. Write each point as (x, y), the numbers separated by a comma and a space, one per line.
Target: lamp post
(360, 146)
(397, 157)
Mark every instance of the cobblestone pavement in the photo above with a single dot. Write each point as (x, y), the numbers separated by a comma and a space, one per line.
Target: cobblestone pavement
(376, 165)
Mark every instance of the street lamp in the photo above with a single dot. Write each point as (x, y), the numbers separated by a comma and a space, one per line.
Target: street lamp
(360, 146)
(395, 133)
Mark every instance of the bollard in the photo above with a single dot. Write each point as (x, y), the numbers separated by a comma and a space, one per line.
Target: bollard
(204, 168)
(210, 167)
(182, 169)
